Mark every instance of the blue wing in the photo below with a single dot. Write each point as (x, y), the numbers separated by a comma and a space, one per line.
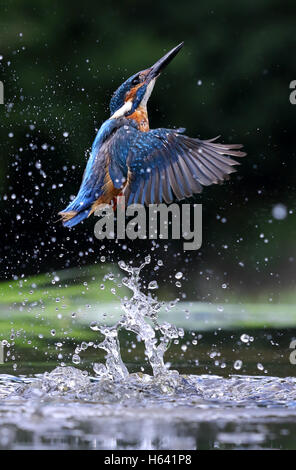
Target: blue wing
(107, 162)
(163, 164)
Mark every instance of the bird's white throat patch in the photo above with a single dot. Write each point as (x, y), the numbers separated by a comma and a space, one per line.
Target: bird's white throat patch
(148, 92)
(129, 104)
(123, 110)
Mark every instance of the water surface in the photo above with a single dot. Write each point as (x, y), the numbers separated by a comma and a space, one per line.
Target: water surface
(146, 376)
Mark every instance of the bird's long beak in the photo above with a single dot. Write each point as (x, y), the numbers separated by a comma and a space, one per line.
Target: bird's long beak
(157, 68)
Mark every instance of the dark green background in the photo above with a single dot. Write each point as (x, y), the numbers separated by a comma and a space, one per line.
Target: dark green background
(61, 63)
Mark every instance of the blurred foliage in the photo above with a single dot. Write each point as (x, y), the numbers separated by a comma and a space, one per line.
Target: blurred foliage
(60, 65)
(62, 286)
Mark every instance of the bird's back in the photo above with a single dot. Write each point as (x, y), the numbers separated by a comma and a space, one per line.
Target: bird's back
(102, 173)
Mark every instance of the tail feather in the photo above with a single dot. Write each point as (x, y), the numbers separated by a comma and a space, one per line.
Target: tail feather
(72, 218)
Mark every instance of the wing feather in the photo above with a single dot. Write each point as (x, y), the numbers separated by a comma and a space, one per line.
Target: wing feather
(164, 164)
(175, 184)
(167, 191)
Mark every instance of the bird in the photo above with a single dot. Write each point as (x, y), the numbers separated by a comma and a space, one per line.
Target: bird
(146, 166)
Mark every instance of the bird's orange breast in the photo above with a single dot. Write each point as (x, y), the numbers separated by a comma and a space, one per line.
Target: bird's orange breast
(141, 118)
(140, 114)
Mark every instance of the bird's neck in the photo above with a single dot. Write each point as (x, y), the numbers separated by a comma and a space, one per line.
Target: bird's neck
(140, 116)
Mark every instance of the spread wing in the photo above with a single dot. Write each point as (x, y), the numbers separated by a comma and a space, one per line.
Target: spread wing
(149, 167)
(164, 164)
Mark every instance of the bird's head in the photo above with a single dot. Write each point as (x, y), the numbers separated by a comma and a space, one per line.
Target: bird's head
(136, 91)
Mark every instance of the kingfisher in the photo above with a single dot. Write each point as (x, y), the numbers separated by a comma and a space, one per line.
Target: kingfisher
(146, 166)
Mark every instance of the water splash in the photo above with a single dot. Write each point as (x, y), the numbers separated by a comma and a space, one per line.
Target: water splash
(67, 408)
(140, 315)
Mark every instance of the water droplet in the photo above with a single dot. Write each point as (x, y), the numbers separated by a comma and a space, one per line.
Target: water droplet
(245, 338)
(76, 359)
(279, 211)
(153, 285)
(238, 364)
(99, 368)
(94, 326)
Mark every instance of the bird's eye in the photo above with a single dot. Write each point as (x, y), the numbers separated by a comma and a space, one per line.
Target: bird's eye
(136, 80)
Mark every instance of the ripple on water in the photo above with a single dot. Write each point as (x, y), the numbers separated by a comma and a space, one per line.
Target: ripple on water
(66, 404)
